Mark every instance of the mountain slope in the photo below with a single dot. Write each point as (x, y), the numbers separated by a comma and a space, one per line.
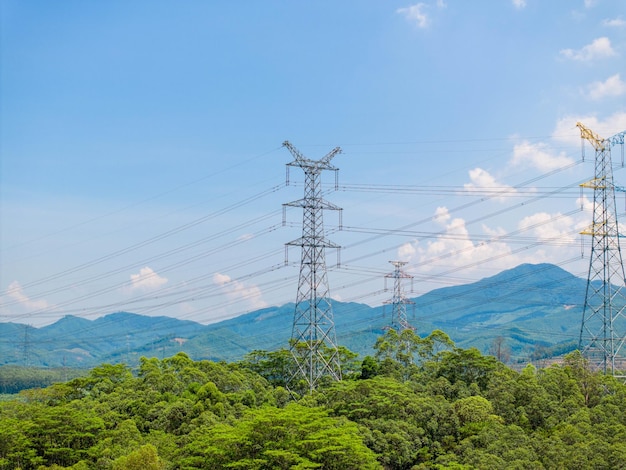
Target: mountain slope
(531, 306)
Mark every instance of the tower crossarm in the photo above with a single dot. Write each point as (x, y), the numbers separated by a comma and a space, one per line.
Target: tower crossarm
(596, 229)
(596, 183)
(329, 156)
(303, 162)
(588, 134)
(299, 158)
(598, 142)
(321, 242)
(617, 139)
(317, 203)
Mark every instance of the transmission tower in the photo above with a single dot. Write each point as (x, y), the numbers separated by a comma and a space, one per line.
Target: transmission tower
(313, 343)
(399, 301)
(603, 327)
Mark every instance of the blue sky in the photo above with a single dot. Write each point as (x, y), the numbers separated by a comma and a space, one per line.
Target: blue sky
(142, 167)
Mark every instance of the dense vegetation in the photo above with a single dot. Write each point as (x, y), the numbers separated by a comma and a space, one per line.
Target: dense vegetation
(419, 403)
(14, 378)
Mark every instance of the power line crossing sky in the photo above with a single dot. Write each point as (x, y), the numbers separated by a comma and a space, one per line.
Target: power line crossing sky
(142, 167)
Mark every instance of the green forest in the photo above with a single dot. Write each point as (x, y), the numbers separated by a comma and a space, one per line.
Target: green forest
(417, 403)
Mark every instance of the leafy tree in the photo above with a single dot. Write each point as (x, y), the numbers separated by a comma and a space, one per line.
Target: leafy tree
(369, 368)
(466, 365)
(400, 425)
(144, 458)
(290, 437)
(399, 346)
(275, 366)
(433, 346)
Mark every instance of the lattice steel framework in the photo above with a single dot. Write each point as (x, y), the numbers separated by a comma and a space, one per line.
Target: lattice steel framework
(603, 326)
(399, 301)
(313, 343)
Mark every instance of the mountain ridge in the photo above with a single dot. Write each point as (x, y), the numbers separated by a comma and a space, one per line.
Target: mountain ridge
(531, 305)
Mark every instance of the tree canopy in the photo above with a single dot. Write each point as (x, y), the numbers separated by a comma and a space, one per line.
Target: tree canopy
(419, 403)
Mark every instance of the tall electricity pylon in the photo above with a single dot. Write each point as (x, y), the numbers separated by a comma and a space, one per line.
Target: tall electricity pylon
(603, 327)
(399, 301)
(313, 343)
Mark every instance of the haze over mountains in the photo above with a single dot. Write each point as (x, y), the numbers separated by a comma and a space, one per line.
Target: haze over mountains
(536, 309)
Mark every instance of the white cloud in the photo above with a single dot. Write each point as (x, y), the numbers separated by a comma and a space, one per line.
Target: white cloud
(482, 180)
(406, 252)
(16, 292)
(550, 227)
(221, 279)
(526, 154)
(236, 291)
(590, 3)
(245, 237)
(600, 48)
(146, 280)
(415, 13)
(613, 86)
(453, 248)
(442, 214)
(519, 4)
(614, 22)
(494, 232)
(441, 4)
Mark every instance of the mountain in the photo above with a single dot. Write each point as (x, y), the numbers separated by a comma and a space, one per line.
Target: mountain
(529, 304)
(77, 342)
(533, 307)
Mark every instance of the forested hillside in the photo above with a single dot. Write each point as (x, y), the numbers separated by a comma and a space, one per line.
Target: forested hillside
(418, 403)
(537, 308)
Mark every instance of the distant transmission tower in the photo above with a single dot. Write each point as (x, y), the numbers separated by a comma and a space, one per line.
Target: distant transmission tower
(603, 327)
(399, 301)
(26, 346)
(313, 342)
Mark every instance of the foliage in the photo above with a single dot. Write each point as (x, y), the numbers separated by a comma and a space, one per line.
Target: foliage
(419, 403)
(13, 379)
(292, 437)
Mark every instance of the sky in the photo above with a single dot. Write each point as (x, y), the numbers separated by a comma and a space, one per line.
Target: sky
(142, 166)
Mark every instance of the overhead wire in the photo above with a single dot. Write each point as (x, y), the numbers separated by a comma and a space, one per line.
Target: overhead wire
(486, 195)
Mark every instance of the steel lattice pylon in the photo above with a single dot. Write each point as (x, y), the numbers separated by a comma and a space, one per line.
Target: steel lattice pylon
(313, 343)
(603, 326)
(399, 301)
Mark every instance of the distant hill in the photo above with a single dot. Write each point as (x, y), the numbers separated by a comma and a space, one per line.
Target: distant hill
(77, 342)
(535, 308)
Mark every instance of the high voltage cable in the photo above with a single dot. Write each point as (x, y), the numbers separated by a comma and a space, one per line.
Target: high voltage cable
(154, 239)
(492, 284)
(473, 203)
(491, 215)
(166, 269)
(150, 198)
(443, 232)
(141, 244)
(185, 300)
(176, 290)
(153, 258)
(155, 328)
(369, 320)
(472, 247)
(503, 191)
(442, 141)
